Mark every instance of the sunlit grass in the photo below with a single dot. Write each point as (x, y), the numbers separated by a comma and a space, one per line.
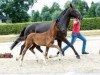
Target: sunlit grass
(6, 38)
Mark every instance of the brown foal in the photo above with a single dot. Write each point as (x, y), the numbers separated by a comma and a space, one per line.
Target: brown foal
(42, 39)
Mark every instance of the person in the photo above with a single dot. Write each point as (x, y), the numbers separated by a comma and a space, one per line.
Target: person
(76, 34)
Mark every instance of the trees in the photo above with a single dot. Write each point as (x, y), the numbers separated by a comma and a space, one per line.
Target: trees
(97, 10)
(67, 4)
(55, 14)
(16, 10)
(81, 5)
(45, 14)
(55, 7)
(51, 13)
(36, 16)
(92, 10)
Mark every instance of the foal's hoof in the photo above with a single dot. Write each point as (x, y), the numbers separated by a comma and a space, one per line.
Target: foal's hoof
(59, 59)
(17, 59)
(37, 61)
(78, 57)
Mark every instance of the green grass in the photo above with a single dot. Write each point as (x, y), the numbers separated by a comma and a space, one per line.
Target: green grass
(6, 38)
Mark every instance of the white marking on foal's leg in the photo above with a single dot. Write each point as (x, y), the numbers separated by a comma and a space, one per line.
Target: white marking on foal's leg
(36, 58)
(21, 61)
(44, 59)
(17, 58)
(60, 56)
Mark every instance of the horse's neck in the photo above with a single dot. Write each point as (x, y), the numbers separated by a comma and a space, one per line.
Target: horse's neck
(65, 19)
(67, 22)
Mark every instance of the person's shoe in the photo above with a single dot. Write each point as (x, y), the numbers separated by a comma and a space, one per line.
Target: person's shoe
(85, 53)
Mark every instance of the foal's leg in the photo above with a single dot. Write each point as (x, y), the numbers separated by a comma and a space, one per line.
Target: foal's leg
(46, 52)
(32, 50)
(23, 53)
(38, 47)
(55, 46)
(27, 44)
(69, 44)
(22, 47)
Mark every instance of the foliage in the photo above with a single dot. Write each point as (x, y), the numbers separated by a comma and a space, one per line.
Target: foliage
(91, 12)
(97, 10)
(67, 4)
(16, 10)
(81, 5)
(36, 16)
(55, 7)
(88, 24)
(45, 14)
(55, 14)
(16, 28)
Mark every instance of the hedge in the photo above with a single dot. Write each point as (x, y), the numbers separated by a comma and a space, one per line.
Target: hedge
(88, 24)
(16, 28)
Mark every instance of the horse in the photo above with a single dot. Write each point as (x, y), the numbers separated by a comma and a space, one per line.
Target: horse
(64, 19)
(42, 39)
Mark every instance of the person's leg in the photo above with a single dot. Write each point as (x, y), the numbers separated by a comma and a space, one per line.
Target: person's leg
(74, 36)
(80, 36)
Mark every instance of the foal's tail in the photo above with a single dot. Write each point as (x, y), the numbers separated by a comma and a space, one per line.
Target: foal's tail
(19, 39)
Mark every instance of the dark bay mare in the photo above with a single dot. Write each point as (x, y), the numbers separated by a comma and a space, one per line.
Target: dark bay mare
(64, 19)
(42, 39)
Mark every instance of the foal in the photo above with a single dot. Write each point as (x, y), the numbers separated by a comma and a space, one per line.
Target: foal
(42, 39)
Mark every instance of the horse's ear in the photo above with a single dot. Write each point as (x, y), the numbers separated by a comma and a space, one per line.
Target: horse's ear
(57, 20)
(71, 5)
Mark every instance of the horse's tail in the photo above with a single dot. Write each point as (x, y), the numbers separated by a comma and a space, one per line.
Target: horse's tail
(20, 38)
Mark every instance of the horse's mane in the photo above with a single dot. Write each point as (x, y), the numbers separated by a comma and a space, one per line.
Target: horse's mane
(62, 13)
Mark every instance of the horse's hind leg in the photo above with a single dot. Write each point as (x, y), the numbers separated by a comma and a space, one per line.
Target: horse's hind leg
(38, 47)
(22, 47)
(69, 44)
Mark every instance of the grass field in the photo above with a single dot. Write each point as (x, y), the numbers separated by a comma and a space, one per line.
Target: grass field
(12, 37)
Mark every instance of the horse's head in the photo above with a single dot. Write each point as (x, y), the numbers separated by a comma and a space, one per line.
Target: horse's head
(64, 18)
(74, 12)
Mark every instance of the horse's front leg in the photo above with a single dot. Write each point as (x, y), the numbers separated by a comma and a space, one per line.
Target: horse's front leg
(69, 44)
(59, 44)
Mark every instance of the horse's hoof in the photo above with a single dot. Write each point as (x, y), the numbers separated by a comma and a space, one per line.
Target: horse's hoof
(21, 65)
(16, 59)
(78, 57)
(37, 61)
(50, 56)
(46, 57)
(59, 59)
